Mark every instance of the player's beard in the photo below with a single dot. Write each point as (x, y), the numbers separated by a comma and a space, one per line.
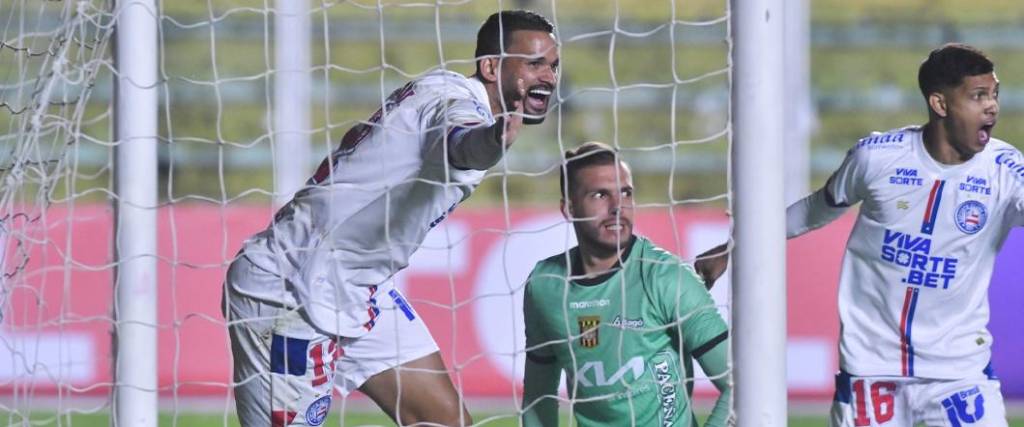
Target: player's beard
(589, 235)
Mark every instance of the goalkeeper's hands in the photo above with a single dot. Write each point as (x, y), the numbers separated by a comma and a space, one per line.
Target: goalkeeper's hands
(509, 122)
(711, 264)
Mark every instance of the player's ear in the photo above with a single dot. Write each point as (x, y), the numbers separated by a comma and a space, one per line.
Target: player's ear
(489, 68)
(566, 208)
(937, 103)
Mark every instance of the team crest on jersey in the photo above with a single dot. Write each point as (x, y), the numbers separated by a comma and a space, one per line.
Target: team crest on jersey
(588, 330)
(971, 216)
(316, 414)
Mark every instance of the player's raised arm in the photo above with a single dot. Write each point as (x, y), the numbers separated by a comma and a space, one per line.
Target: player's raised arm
(481, 147)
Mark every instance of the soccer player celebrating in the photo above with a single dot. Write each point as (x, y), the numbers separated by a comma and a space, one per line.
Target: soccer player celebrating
(311, 295)
(620, 316)
(937, 202)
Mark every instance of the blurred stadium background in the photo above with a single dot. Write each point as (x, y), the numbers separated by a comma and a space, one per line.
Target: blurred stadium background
(631, 87)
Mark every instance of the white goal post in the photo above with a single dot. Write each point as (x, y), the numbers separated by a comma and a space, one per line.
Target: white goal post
(759, 255)
(135, 305)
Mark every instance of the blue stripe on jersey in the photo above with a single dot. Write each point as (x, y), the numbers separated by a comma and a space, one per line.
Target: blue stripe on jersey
(288, 355)
(400, 302)
(843, 388)
(989, 372)
(910, 344)
(456, 131)
(931, 216)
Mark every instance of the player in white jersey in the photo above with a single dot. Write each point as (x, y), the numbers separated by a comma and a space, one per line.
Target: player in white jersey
(311, 295)
(937, 202)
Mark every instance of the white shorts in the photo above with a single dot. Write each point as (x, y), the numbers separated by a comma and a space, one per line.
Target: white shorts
(285, 370)
(907, 401)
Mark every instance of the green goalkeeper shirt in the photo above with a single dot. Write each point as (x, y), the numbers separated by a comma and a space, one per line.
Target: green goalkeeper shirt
(624, 340)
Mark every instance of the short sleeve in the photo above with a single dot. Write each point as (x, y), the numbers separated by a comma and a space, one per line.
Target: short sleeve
(845, 187)
(685, 301)
(1016, 203)
(456, 113)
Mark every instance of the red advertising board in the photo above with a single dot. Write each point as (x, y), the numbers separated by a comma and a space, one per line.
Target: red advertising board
(466, 282)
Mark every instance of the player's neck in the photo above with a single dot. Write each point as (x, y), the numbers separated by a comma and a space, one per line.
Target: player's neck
(936, 143)
(597, 261)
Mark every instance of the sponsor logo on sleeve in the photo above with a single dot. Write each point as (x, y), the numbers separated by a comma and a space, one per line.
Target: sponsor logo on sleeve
(971, 216)
(666, 375)
(882, 140)
(1011, 160)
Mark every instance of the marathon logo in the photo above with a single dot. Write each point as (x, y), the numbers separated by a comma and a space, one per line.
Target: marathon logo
(597, 303)
(913, 253)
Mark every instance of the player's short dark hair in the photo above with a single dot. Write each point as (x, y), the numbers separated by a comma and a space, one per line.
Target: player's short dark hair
(496, 32)
(586, 155)
(947, 66)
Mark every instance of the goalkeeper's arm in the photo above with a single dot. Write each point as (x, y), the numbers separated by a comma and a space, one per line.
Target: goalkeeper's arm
(715, 363)
(540, 393)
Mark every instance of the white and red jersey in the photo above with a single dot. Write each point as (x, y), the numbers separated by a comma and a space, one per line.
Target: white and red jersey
(913, 292)
(370, 204)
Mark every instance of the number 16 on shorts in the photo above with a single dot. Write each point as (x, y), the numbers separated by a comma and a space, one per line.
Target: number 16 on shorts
(862, 402)
(904, 401)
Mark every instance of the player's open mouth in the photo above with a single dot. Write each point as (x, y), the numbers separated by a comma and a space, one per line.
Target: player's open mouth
(615, 226)
(985, 133)
(537, 98)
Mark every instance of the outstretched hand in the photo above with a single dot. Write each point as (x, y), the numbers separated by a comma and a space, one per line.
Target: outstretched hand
(711, 264)
(509, 122)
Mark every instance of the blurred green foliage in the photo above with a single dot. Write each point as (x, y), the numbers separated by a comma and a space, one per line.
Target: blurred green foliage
(632, 89)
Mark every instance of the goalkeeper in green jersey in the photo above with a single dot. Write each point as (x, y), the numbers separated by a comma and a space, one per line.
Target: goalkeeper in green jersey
(620, 316)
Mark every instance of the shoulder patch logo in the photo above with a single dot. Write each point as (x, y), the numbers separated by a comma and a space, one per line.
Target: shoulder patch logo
(588, 330)
(971, 216)
(1012, 161)
(317, 412)
(880, 140)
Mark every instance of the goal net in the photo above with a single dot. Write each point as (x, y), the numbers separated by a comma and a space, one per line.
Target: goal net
(650, 78)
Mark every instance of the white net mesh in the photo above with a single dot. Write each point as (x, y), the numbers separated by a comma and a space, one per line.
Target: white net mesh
(650, 78)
